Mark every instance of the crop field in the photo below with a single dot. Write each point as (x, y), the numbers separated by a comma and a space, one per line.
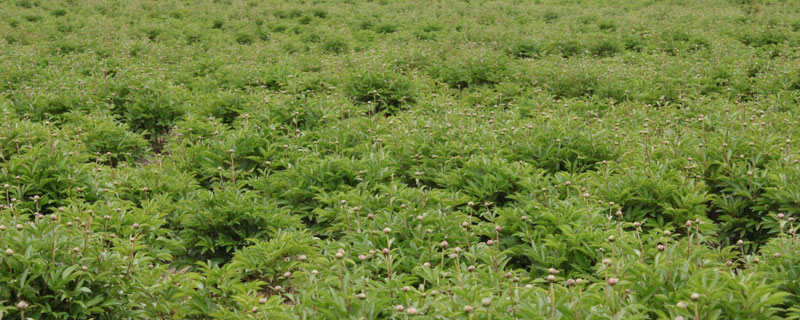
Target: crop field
(399, 159)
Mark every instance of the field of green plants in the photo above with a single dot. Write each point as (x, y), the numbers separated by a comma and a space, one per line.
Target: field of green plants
(399, 159)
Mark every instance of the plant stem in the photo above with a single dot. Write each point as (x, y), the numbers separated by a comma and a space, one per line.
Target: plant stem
(553, 301)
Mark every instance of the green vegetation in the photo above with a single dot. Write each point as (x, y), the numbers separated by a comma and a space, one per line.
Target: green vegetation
(339, 159)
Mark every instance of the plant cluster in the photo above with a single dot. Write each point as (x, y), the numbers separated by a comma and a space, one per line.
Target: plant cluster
(339, 159)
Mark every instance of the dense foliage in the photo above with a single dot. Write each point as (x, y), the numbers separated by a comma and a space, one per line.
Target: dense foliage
(339, 159)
